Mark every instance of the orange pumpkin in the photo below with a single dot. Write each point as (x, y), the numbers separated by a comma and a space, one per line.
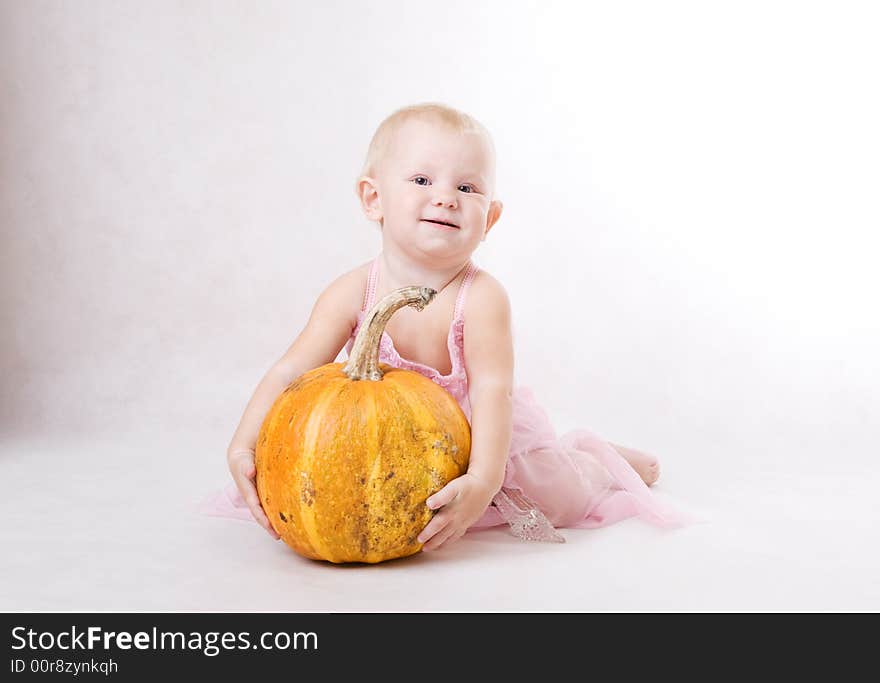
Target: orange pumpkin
(349, 453)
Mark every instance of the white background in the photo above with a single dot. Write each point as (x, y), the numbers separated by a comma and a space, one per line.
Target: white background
(689, 242)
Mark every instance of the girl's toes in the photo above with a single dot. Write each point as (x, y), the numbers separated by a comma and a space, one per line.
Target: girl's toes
(651, 472)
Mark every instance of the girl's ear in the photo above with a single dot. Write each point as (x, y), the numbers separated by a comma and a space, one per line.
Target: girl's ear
(495, 209)
(368, 193)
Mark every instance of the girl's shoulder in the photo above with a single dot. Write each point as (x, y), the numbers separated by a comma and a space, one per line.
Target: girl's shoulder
(357, 277)
(344, 296)
(485, 297)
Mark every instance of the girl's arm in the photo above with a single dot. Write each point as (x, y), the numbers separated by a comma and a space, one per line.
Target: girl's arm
(488, 351)
(326, 332)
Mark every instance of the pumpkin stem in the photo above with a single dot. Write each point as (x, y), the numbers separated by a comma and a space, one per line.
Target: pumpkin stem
(363, 363)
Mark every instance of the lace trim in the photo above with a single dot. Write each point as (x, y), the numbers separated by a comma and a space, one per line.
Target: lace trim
(456, 333)
(525, 519)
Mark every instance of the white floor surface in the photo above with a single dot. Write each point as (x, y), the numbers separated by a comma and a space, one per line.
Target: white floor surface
(108, 523)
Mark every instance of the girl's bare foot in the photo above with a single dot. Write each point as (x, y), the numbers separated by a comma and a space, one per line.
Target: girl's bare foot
(646, 465)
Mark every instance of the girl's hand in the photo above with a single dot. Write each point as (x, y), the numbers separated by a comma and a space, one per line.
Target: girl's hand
(463, 501)
(241, 465)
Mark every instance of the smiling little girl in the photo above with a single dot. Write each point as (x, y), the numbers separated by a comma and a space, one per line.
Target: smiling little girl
(429, 182)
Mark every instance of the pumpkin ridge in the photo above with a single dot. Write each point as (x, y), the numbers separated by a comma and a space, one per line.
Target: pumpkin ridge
(435, 465)
(308, 501)
(290, 492)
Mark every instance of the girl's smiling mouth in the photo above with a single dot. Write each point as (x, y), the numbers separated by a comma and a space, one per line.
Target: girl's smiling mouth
(445, 225)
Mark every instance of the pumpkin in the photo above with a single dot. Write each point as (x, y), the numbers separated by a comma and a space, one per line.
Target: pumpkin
(348, 453)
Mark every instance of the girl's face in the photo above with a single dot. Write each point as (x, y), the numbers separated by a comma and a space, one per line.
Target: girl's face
(433, 192)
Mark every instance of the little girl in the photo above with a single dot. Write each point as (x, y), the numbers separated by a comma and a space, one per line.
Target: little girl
(429, 182)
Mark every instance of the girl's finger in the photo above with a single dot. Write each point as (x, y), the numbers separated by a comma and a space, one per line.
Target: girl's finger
(439, 539)
(443, 496)
(434, 526)
(247, 467)
(249, 493)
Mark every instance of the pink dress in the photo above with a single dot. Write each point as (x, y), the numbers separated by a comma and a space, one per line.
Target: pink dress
(577, 480)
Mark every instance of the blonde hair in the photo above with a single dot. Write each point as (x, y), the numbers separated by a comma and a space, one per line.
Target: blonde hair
(455, 119)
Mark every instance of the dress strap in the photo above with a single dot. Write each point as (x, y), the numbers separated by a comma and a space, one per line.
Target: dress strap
(372, 280)
(462, 291)
(370, 292)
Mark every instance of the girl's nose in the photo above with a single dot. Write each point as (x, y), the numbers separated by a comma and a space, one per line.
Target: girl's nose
(444, 199)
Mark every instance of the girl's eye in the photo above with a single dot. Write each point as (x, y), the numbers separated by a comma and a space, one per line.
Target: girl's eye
(419, 178)
(470, 188)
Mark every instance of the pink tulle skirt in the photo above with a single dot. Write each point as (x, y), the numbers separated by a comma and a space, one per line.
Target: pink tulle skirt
(578, 481)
